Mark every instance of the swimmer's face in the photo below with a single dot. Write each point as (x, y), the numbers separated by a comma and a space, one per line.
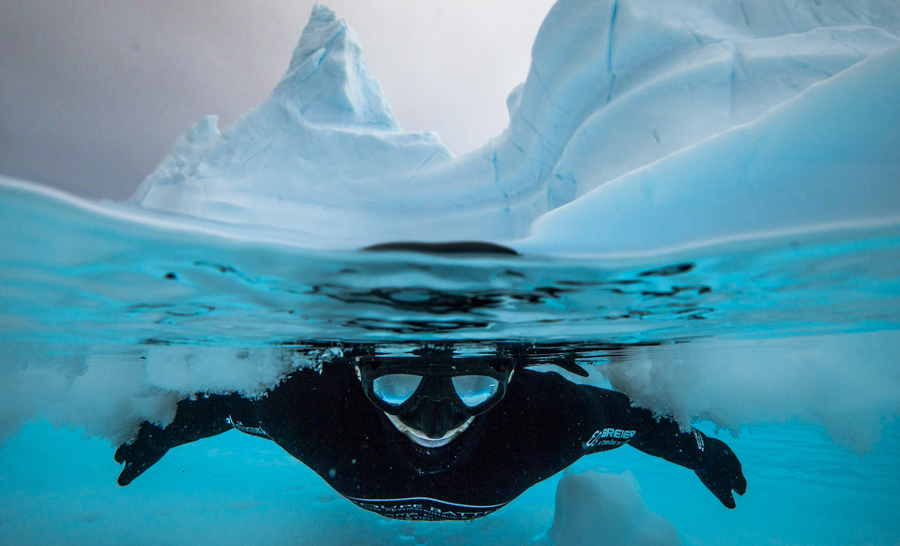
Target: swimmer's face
(433, 401)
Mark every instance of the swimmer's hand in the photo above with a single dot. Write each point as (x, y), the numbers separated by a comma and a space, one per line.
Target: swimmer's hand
(720, 471)
(142, 452)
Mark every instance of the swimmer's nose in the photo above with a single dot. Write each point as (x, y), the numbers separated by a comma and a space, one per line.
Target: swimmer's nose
(434, 417)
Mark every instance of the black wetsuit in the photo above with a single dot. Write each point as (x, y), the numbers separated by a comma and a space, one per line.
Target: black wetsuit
(543, 424)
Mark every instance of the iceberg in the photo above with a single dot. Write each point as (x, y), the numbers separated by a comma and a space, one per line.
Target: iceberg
(641, 127)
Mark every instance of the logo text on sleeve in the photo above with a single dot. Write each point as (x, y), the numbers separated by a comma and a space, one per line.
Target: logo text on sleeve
(610, 436)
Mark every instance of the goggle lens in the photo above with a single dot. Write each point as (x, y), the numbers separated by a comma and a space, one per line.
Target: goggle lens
(475, 390)
(396, 388)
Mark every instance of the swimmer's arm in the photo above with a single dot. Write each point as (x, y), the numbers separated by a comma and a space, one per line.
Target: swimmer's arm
(196, 418)
(712, 460)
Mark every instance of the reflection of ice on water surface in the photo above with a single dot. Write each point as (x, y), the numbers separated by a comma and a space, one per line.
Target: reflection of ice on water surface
(163, 286)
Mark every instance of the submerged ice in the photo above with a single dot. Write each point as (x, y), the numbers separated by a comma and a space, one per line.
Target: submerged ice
(643, 129)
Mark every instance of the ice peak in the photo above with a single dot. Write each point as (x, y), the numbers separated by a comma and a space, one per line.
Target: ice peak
(328, 82)
(322, 27)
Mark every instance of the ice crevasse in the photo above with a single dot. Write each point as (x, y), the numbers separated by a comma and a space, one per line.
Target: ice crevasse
(642, 126)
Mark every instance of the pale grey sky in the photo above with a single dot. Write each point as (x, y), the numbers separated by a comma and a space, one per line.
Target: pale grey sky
(94, 92)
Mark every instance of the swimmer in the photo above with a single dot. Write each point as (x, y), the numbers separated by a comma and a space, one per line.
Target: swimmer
(436, 435)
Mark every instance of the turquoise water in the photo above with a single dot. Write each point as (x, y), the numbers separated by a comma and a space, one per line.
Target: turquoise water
(234, 489)
(790, 342)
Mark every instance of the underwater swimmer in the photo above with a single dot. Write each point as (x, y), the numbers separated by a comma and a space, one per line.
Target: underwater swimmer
(432, 435)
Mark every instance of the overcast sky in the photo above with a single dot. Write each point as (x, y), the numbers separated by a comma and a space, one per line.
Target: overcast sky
(94, 92)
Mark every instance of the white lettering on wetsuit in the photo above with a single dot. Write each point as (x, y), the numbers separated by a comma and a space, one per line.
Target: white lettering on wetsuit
(699, 438)
(256, 431)
(424, 509)
(610, 437)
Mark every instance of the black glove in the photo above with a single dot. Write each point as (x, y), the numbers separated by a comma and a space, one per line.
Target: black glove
(148, 447)
(720, 470)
